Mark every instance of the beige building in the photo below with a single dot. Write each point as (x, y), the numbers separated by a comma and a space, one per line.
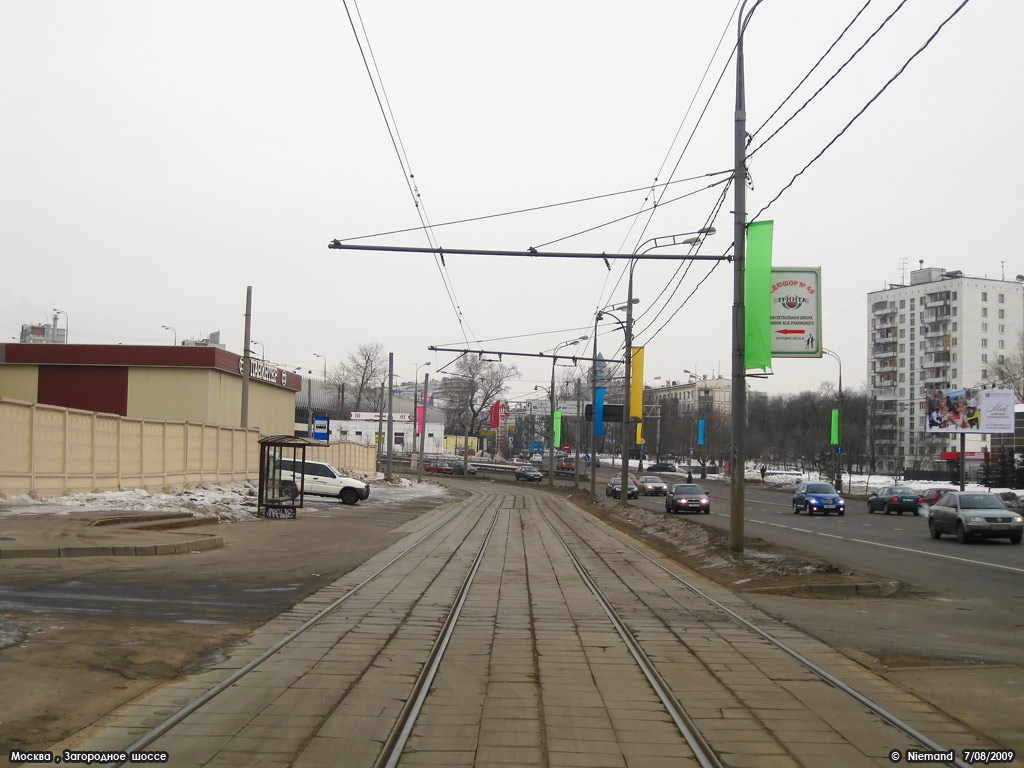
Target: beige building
(197, 385)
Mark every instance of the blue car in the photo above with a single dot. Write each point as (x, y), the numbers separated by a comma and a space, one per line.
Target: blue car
(818, 497)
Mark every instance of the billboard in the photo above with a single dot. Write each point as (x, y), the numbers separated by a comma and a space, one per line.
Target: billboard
(953, 411)
(795, 316)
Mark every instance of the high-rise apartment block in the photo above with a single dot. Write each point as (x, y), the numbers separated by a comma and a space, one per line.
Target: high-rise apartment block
(944, 330)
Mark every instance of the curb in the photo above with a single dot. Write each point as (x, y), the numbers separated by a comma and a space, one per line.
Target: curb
(861, 589)
(172, 548)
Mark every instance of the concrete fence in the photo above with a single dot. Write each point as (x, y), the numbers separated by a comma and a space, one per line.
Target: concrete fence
(49, 451)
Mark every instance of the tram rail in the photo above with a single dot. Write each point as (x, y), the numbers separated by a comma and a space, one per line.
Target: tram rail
(617, 573)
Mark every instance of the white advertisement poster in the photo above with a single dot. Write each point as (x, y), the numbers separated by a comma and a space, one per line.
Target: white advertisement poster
(970, 410)
(796, 312)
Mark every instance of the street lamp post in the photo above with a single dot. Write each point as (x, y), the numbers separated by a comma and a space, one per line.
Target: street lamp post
(315, 354)
(67, 323)
(171, 329)
(551, 393)
(839, 430)
(655, 242)
(263, 349)
(739, 369)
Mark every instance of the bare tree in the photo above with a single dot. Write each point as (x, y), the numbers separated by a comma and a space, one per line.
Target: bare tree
(361, 373)
(480, 383)
(1008, 370)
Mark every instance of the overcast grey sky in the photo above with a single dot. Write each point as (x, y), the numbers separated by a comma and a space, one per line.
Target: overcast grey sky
(158, 157)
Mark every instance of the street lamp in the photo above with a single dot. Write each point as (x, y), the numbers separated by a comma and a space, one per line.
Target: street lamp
(172, 330)
(67, 329)
(839, 430)
(554, 359)
(654, 242)
(739, 266)
(416, 417)
(315, 354)
(263, 352)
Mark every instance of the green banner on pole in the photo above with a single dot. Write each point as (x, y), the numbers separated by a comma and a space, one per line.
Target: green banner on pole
(557, 423)
(835, 426)
(757, 289)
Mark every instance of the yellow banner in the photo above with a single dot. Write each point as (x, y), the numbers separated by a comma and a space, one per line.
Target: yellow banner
(636, 384)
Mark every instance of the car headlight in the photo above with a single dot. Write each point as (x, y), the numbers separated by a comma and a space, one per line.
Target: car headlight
(704, 501)
(812, 500)
(976, 519)
(1018, 519)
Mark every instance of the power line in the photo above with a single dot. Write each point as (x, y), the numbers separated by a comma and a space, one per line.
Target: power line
(811, 71)
(827, 82)
(862, 109)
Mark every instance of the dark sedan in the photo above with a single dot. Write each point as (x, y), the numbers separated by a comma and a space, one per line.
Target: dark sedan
(614, 489)
(971, 514)
(685, 497)
(529, 474)
(664, 466)
(895, 498)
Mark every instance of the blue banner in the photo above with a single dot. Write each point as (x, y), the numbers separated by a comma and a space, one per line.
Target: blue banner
(599, 410)
(700, 432)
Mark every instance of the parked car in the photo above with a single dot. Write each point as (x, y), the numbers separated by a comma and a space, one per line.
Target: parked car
(439, 467)
(970, 514)
(683, 497)
(818, 497)
(895, 498)
(663, 466)
(650, 485)
(614, 488)
(529, 474)
(458, 468)
(319, 478)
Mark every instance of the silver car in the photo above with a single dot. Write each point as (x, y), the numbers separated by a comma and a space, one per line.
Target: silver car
(970, 514)
(652, 486)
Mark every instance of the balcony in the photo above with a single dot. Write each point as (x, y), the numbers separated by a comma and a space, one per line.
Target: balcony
(880, 306)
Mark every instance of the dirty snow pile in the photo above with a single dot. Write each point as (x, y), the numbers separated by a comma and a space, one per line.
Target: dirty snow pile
(230, 501)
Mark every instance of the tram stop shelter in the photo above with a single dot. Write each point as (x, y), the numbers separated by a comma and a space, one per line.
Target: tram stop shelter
(279, 498)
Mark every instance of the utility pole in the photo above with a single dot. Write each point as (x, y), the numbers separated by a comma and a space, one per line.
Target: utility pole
(423, 429)
(391, 416)
(244, 419)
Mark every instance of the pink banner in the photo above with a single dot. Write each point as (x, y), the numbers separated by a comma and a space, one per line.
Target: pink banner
(419, 419)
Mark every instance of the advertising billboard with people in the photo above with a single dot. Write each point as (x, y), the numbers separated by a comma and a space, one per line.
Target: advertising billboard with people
(970, 410)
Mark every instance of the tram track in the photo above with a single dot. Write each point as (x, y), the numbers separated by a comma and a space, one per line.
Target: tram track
(678, 647)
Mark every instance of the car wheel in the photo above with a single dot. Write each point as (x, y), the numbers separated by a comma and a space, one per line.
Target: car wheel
(289, 490)
(796, 509)
(1016, 537)
(899, 512)
(707, 511)
(888, 510)
(961, 534)
(349, 496)
(933, 530)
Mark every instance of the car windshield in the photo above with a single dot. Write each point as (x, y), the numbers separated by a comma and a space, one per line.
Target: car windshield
(820, 488)
(684, 489)
(650, 479)
(980, 501)
(901, 489)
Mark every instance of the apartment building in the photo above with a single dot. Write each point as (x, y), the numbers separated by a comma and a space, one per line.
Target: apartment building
(944, 330)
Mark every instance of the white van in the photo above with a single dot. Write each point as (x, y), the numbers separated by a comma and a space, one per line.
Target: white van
(320, 479)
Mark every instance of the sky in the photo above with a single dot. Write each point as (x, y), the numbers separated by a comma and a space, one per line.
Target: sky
(160, 157)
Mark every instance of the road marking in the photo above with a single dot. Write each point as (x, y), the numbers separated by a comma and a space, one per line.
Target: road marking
(936, 554)
(802, 530)
(831, 535)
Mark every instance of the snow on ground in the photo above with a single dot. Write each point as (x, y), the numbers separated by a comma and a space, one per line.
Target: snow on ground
(231, 501)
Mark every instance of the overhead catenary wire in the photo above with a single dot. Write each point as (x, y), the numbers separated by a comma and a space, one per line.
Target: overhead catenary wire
(383, 103)
(862, 110)
(828, 82)
(812, 69)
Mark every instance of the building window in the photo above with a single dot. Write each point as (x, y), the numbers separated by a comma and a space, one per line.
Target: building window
(954, 295)
(903, 348)
(1001, 344)
(984, 311)
(1000, 298)
(903, 332)
(1002, 313)
(984, 295)
(984, 327)
(954, 326)
(953, 374)
(984, 373)
(903, 303)
(984, 357)
(360, 432)
(984, 343)
(1002, 359)
(903, 319)
(903, 377)
(1002, 328)
(903, 364)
